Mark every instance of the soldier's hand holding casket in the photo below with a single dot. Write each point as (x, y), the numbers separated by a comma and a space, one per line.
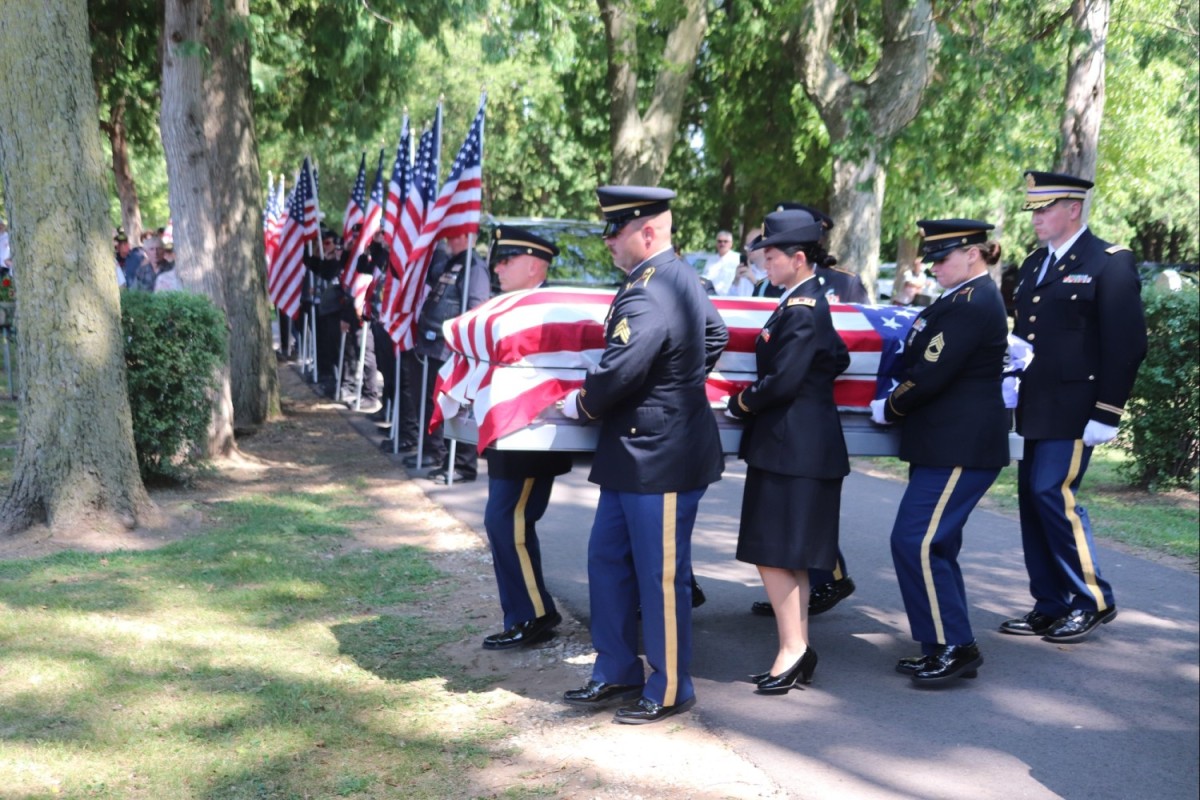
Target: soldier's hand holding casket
(735, 409)
(877, 412)
(1095, 433)
(570, 405)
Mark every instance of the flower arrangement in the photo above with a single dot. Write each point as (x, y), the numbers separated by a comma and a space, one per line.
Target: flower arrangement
(8, 292)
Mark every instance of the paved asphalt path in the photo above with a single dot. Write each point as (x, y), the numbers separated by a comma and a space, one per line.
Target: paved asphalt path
(1115, 716)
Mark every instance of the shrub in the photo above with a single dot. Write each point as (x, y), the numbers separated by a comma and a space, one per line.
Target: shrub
(1164, 420)
(174, 343)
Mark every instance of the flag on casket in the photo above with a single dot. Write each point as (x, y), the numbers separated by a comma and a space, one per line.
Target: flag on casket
(518, 354)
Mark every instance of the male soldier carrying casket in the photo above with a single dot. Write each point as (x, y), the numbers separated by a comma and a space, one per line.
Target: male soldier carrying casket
(520, 482)
(1078, 303)
(658, 451)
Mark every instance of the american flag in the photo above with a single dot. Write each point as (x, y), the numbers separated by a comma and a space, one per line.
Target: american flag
(397, 188)
(299, 228)
(353, 281)
(273, 220)
(398, 308)
(519, 353)
(455, 213)
(355, 205)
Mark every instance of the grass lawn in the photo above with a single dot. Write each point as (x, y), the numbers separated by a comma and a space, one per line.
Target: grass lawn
(1165, 523)
(258, 660)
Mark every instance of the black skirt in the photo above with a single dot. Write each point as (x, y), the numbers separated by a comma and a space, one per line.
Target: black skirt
(789, 522)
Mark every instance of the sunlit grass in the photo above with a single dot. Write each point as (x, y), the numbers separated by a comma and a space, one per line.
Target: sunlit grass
(265, 658)
(1167, 523)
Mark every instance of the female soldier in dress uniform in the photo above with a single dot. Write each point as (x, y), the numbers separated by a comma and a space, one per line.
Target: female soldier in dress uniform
(792, 444)
(954, 437)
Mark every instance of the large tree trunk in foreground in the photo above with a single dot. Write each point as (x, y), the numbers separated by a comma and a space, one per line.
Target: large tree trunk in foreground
(864, 116)
(131, 211)
(1083, 100)
(212, 164)
(641, 143)
(75, 466)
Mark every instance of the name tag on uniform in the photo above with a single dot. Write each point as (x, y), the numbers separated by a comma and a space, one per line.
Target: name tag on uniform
(1077, 279)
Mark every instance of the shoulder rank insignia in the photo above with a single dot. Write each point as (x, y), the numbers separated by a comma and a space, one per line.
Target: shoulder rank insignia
(934, 350)
(801, 301)
(965, 294)
(1077, 279)
(1116, 248)
(621, 332)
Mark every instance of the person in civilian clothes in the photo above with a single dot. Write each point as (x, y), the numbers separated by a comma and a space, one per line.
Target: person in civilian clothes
(658, 451)
(520, 482)
(792, 444)
(954, 436)
(828, 586)
(1078, 303)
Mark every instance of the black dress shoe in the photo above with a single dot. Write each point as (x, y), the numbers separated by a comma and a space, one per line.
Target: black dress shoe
(1078, 624)
(801, 672)
(827, 595)
(598, 695)
(910, 665)
(761, 608)
(951, 661)
(381, 416)
(1035, 623)
(698, 598)
(426, 461)
(646, 710)
(524, 634)
(759, 677)
(439, 476)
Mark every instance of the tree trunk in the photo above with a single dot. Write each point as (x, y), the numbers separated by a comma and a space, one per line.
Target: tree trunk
(212, 165)
(75, 467)
(131, 212)
(864, 116)
(641, 143)
(1083, 102)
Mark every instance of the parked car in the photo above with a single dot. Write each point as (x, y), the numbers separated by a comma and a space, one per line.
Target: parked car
(583, 260)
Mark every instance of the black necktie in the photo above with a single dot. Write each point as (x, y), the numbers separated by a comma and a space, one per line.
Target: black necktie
(1049, 267)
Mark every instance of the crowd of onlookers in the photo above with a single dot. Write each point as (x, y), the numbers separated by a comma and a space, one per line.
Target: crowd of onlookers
(149, 267)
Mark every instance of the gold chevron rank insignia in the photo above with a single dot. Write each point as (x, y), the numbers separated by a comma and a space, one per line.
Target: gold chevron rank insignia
(934, 350)
(621, 332)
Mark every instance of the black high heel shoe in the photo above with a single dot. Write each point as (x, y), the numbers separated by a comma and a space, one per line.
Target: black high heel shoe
(801, 672)
(759, 677)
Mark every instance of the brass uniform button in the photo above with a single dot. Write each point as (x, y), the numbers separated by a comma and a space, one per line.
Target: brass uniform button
(1030, 336)
(1033, 318)
(1037, 298)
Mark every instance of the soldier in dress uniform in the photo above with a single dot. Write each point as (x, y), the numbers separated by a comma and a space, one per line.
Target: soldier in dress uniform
(1078, 303)
(658, 451)
(793, 445)
(954, 435)
(520, 482)
(828, 587)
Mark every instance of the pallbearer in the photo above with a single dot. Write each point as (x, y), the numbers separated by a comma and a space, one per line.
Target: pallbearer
(954, 435)
(658, 451)
(519, 483)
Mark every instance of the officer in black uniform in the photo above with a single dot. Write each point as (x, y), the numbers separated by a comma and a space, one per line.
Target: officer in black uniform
(793, 445)
(520, 482)
(658, 451)
(1078, 303)
(828, 587)
(329, 300)
(954, 435)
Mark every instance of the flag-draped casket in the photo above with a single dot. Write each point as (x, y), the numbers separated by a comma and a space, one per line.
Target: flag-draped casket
(515, 356)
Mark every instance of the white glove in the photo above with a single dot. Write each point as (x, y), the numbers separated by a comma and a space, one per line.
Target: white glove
(1098, 433)
(877, 412)
(570, 405)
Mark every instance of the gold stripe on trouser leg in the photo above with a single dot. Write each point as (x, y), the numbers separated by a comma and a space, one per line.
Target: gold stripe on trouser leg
(670, 632)
(539, 608)
(935, 610)
(1086, 562)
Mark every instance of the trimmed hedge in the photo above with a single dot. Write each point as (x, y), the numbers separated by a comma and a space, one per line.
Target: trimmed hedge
(1163, 419)
(174, 343)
